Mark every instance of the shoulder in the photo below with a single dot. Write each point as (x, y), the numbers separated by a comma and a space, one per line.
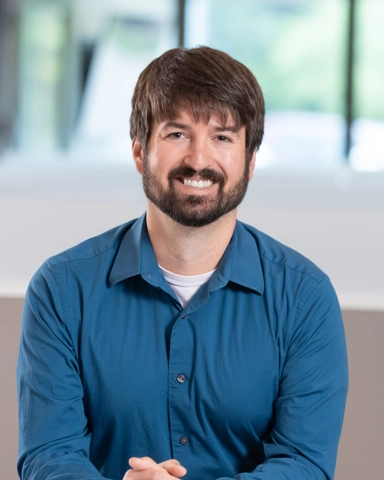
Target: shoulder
(81, 264)
(105, 243)
(65, 280)
(298, 296)
(276, 256)
(290, 278)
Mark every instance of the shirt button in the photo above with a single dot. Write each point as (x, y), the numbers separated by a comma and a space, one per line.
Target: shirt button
(184, 440)
(180, 378)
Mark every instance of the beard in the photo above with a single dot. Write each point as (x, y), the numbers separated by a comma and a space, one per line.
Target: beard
(193, 210)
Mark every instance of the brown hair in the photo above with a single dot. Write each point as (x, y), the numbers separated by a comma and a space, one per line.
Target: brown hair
(205, 81)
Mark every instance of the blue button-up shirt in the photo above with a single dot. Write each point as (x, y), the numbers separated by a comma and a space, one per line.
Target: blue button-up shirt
(249, 379)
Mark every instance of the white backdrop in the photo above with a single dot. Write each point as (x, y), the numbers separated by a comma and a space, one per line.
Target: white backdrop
(336, 218)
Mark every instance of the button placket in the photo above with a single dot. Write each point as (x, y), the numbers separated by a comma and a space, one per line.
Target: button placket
(180, 367)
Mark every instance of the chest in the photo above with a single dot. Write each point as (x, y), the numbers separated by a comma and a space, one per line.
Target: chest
(216, 365)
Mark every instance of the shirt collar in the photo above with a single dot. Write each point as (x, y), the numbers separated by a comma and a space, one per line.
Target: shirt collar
(135, 256)
(240, 263)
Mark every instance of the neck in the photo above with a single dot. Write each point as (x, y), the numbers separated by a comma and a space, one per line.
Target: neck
(188, 250)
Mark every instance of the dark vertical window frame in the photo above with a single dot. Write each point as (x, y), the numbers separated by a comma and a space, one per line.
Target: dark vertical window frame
(9, 71)
(181, 21)
(350, 76)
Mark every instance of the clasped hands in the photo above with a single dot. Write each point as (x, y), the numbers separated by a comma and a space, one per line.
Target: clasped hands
(147, 469)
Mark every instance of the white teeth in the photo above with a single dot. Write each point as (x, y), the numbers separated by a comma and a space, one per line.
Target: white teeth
(197, 184)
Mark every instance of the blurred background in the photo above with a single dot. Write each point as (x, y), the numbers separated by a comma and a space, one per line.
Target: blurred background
(67, 73)
(68, 69)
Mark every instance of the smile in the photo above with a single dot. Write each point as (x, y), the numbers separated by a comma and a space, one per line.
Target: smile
(198, 183)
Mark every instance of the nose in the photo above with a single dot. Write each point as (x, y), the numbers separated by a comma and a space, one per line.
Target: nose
(199, 155)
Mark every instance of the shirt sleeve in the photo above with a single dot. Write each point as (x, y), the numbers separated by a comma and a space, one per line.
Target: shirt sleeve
(311, 402)
(53, 436)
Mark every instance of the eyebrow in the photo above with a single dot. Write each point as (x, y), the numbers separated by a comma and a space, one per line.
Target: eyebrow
(183, 126)
(227, 128)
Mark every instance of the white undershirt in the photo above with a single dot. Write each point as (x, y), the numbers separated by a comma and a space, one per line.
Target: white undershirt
(185, 286)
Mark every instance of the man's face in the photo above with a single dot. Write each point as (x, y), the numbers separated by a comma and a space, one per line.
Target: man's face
(194, 172)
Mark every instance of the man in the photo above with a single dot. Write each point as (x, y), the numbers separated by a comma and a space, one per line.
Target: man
(184, 342)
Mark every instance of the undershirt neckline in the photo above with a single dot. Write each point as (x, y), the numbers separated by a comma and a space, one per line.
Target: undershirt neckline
(185, 286)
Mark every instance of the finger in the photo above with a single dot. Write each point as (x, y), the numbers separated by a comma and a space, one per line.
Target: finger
(171, 466)
(142, 463)
(175, 470)
(171, 461)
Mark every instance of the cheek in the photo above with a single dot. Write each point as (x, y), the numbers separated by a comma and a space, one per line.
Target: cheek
(234, 165)
(160, 159)
(157, 172)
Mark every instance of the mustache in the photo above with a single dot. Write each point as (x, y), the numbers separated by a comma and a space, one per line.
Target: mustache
(204, 174)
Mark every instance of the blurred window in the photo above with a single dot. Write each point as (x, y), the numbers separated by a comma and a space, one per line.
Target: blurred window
(79, 61)
(43, 47)
(128, 38)
(296, 50)
(368, 129)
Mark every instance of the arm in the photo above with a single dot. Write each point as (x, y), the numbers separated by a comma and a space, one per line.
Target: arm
(311, 402)
(53, 436)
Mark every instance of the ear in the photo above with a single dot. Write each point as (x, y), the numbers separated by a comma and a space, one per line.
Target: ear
(252, 164)
(137, 153)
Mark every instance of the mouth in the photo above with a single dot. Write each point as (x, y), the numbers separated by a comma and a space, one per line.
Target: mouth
(197, 183)
(200, 181)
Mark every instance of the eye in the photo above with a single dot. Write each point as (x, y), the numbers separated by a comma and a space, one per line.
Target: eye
(176, 135)
(223, 138)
